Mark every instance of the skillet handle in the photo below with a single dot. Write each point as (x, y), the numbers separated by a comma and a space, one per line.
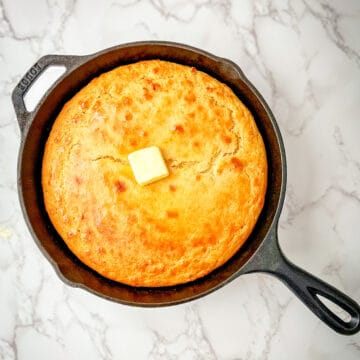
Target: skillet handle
(306, 287)
(68, 61)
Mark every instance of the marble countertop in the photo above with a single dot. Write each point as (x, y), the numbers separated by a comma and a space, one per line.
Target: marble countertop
(304, 57)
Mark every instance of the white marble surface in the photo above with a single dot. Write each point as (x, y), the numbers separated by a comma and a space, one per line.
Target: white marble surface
(304, 57)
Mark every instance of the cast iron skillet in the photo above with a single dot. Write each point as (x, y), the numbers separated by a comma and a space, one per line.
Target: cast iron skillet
(261, 253)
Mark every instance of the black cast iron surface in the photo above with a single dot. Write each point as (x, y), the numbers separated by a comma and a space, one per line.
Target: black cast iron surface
(261, 251)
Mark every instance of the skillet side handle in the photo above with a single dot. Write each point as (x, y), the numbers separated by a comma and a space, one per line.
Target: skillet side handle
(22, 114)
(306, 287)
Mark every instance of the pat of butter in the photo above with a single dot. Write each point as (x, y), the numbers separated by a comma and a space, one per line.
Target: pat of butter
(148, 165)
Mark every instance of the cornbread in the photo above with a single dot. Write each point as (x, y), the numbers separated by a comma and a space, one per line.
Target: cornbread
(176, 229)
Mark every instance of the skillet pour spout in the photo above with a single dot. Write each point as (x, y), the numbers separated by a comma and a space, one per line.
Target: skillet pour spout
(260, 253)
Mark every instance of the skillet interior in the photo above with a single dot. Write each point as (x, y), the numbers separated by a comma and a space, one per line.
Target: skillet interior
(67, 265)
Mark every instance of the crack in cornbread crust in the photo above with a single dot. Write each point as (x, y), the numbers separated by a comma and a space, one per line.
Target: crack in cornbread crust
(181, 227)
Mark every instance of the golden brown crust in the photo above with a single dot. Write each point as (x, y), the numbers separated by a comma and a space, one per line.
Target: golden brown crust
(174, 230)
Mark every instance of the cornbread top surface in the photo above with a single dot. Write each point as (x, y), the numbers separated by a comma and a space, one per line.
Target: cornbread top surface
(176, 229)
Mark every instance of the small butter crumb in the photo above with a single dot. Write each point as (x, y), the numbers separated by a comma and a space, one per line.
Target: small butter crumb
(5, 232)
(148, 165)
